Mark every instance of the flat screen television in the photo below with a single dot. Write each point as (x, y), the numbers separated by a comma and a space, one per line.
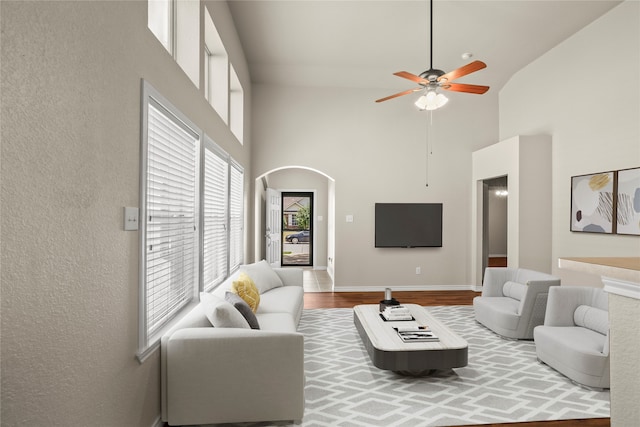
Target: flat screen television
(408, 225)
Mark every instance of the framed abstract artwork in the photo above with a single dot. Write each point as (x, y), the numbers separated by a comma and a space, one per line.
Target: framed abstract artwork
(593, 202)
(628, 206)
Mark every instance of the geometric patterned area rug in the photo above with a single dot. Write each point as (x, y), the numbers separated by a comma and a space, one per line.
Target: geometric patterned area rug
(503, 381)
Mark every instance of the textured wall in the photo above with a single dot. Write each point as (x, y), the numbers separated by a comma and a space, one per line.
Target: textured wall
(71, 75)
(625, 340)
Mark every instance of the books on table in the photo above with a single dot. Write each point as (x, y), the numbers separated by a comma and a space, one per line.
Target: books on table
(416, 334)
(396, 312)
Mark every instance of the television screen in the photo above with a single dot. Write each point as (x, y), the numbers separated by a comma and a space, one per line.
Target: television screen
(408, 225)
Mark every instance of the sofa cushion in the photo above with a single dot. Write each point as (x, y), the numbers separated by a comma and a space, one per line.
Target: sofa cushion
(245, 287)
(592, 318)
(221, 313)
(499, 314)
(262, 275)
(244, 309)
(287, 299)
(276, 322)
(514, 290)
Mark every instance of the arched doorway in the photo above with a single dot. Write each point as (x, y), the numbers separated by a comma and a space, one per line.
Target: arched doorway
(297, 179)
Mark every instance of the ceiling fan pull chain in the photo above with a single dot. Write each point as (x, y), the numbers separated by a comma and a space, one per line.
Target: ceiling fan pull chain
(428, 147)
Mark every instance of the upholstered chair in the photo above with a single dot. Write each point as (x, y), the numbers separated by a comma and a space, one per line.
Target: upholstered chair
(513, 301)
(574, 339)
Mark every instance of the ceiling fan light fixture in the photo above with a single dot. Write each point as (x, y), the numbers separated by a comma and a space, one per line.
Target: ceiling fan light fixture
(431, 100)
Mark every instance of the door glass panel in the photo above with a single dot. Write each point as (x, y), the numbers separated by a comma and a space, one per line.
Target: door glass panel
(297, 228)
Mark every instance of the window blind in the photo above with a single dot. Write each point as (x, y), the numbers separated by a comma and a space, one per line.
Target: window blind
(215, 203)
(171, 245)
(236, 216)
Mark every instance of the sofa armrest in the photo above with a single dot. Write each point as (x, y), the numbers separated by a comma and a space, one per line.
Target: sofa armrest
(562, 303)
(290, 276)
(536, 287)
(217, 375)
(494, 280)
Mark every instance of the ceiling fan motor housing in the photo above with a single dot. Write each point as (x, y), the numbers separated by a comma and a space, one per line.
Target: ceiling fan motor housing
(432, 75)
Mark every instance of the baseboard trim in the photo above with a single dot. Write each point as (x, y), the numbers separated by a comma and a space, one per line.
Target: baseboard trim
(337, 288)
(158, 422)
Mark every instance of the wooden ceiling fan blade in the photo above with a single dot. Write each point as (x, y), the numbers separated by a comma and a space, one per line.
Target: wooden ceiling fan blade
(412, 77)
(461, 87)
(471, 67)
(406, 92)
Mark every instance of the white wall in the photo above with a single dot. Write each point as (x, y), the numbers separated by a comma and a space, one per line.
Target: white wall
(71, 74)
(377, 153)
(526, 161)
(585, 93)
(497, 224)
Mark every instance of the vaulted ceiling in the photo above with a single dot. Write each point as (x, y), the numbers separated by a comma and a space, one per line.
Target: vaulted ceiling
(352, 43)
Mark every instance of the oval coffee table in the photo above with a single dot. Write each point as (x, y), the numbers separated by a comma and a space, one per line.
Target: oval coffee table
(387, 350)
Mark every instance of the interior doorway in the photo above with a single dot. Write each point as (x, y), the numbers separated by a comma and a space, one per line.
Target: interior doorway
(494, 227)
(297, 228)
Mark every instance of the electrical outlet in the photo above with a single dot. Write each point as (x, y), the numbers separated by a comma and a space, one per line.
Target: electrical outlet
(418, 270)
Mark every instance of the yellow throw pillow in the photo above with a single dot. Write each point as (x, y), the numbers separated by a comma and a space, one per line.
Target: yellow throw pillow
(247, 290)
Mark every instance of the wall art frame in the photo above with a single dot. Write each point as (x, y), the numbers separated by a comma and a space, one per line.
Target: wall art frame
(593, 203)
(628, 202)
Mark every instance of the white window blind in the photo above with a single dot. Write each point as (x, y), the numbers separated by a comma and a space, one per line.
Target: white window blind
(236, 216)
(169, 234)
(215, 231)
(186, 180)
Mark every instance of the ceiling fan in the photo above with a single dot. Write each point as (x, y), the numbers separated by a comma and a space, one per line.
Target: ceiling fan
(434, 79)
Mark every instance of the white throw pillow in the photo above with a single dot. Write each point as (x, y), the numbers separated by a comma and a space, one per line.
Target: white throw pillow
(221, 313)
(262, 275)
(514, 290)
(592, 318)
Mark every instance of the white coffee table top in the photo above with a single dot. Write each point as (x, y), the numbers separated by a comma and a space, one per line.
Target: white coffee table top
(383, 337)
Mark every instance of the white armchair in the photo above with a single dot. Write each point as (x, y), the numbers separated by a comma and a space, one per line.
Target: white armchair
(513, 301)
(574, 339)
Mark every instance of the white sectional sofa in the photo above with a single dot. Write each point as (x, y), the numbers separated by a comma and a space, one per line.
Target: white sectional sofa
(238, 374)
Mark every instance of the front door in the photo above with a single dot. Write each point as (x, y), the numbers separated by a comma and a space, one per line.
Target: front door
(274, 226)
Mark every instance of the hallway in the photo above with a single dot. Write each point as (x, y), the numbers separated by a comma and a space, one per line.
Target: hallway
(316, 280)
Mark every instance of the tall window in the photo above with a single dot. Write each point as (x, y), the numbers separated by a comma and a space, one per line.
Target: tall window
(216, 202)
(236, 105)
(236, 216)
(169, 249)
(192, 198)
(176, 24)
(217, 69)
(223, 216)
(160, 19)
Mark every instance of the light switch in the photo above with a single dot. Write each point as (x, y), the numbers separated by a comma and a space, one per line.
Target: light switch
(130, 219)
(320, 218)
(349, 218)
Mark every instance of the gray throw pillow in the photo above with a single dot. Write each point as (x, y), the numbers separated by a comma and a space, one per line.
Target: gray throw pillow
(244, 309)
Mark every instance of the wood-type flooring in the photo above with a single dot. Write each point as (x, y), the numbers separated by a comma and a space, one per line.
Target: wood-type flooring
(426, 298)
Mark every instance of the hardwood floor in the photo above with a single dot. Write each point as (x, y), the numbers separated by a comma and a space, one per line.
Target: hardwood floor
(426, 298)
(350, 299)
